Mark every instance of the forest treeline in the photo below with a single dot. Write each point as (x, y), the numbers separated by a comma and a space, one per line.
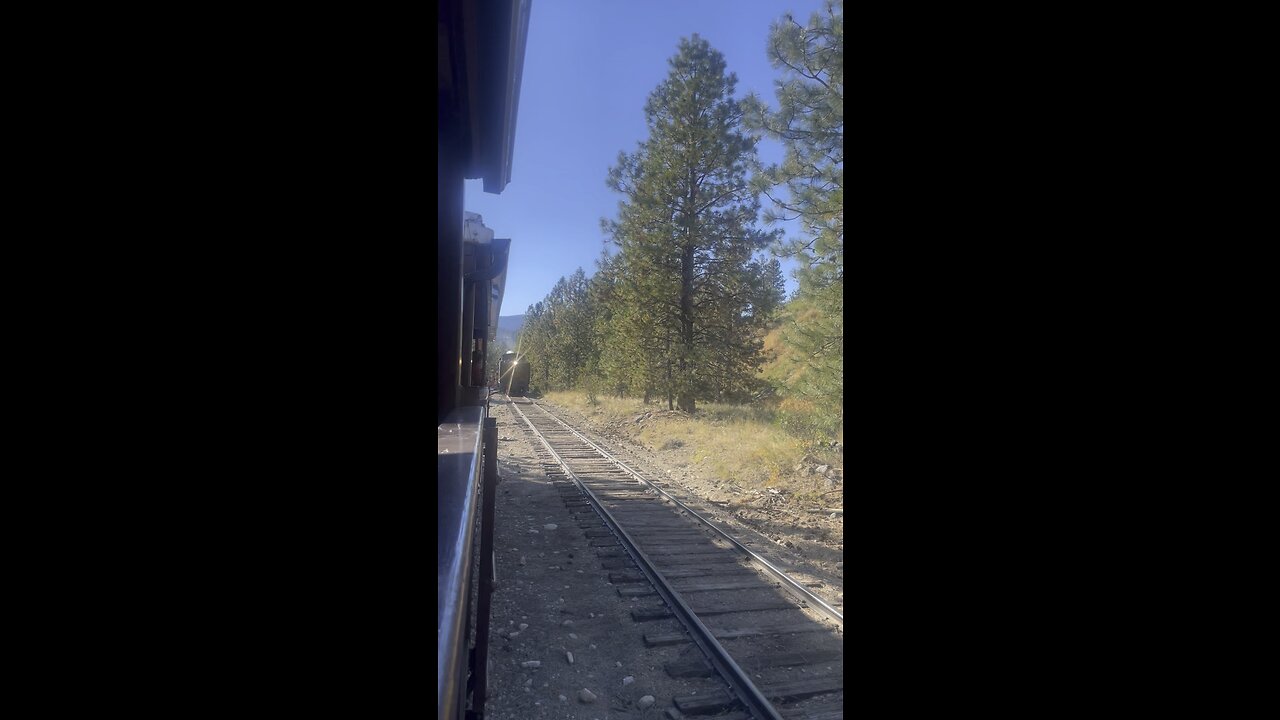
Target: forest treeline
(686, 303)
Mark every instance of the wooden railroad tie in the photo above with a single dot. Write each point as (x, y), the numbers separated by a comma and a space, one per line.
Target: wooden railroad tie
(625, 578)
(752, 583)
(792, 690)
(664, 535)
(660, 612)
(698, 667)
(657, 639)
(708, 571)
(702, 548)
(713, 556)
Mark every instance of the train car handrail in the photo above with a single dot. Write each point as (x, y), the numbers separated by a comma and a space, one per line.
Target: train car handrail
(458, 465)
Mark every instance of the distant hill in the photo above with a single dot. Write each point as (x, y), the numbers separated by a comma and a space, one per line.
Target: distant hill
(508, 326)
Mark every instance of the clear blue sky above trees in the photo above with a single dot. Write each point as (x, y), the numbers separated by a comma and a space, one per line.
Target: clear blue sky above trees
(588, 69)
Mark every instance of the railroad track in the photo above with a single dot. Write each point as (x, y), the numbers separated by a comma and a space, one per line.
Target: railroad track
(778, 648)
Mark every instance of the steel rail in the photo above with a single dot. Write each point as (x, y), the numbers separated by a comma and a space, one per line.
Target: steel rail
(794, 587)
(739, 682)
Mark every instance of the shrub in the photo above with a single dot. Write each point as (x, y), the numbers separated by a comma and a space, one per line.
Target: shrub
(807, 420)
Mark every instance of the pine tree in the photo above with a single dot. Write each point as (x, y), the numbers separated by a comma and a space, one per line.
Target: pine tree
(559, 335)
(578, 330)
(613, 369)
(686, 230)
(534, 343)
(810, 124)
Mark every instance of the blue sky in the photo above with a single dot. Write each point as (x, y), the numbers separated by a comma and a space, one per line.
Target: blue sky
(589, 67)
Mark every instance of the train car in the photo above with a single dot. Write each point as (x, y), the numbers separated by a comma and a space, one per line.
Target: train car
(513, 378)
(480, 56)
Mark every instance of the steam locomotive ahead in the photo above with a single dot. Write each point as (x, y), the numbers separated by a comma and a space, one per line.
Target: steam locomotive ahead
(513, 378)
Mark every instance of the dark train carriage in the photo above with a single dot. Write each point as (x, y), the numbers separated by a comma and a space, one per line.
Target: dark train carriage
(480, 50)
(514, 374)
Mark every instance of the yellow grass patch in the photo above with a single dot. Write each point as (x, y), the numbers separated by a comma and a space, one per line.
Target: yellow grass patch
(734, 445)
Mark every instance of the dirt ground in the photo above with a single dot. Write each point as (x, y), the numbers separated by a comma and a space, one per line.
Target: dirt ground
(552, 597)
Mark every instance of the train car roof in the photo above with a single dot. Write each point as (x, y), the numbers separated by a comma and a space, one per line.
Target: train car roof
(480, 63)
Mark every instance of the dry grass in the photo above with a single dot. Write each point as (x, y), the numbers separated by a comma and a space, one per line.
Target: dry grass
(606, 407)
(728, 444)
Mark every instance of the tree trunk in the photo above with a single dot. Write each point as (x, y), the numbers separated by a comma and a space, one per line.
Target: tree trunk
(670, 402)
(670, 405)
(687, 402)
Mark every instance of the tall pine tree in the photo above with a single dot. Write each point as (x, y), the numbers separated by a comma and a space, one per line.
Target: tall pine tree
(686, 230)
(810, 124)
